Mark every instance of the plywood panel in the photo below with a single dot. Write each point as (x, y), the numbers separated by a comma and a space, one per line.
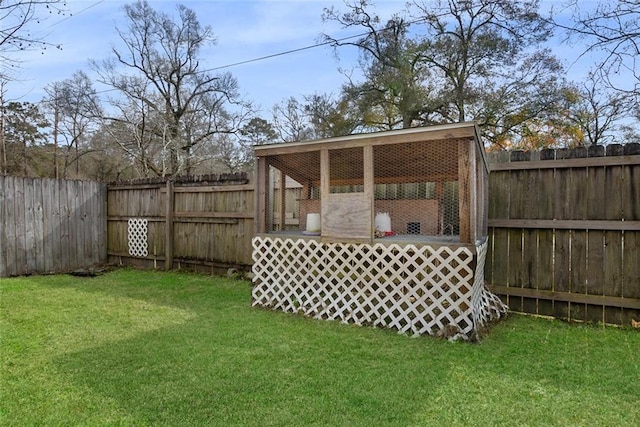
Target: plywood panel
(347, 216)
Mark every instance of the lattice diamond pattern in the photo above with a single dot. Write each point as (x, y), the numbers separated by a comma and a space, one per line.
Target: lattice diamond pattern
(137, 233)
(489, 306)
(408, 288)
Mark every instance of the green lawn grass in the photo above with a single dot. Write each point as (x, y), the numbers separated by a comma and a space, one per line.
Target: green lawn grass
(151, 348)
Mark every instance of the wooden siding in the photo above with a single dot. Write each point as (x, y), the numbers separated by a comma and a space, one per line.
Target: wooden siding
(49, 225)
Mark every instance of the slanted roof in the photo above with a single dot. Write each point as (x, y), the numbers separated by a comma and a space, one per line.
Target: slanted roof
(301, 160)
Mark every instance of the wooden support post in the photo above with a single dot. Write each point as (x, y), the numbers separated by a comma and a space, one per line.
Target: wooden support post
(283, 203)
(473, 193)
(464, 191)
(325, 182)
(261, 177)
(270, 199)
(369, 184)
(441, 206)
(168, 244)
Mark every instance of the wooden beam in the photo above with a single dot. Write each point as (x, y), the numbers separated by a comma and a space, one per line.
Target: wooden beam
(260, 195)
(207, 220)
(369, 186)
(216, 220)
(324, 174)
(566, 224)
(567, 163)
(210, 188)
(464, 191)
(117, 187)
(127, 218)
(567, 297)
(395, 180)
(480, 147)
(325, 180)
(403, 136)
(282, 197)
(247, 215)
(473, 193)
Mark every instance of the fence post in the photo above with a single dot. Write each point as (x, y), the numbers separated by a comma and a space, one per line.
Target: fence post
(168, 255)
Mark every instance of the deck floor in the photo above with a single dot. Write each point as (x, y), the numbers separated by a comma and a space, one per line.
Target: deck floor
(402, 239)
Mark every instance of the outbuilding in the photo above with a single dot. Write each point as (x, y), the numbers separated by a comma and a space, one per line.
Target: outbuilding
(386, 229)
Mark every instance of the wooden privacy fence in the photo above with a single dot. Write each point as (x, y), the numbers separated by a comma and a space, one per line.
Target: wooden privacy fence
(49, 225)
(201, 223)
(564, 228)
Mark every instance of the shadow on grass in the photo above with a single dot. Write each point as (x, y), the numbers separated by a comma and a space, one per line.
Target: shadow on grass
(265, 368)
(258, 368)
(179, 289)
(224, 363)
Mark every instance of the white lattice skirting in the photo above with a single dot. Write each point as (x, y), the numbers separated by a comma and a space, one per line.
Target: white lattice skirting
(414, 289)
(137, 236)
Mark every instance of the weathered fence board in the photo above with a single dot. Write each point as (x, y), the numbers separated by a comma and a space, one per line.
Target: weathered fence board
(565, 232)
(203, 223)
(50, 225)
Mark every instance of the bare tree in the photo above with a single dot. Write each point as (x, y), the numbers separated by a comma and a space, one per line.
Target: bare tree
(16, 31)
(75, 107)
(291, 122)
(140, 135)
(598, 112)
(612, 27)
(158, 72)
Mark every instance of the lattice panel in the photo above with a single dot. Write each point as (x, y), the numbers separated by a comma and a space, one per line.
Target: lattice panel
(487, 306)
(415, 289)
(137, 234)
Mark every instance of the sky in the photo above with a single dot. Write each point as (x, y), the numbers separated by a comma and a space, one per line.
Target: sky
(245, 30)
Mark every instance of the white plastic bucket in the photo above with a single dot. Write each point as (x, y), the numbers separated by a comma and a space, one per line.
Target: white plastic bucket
(383, 222)
(313, 222)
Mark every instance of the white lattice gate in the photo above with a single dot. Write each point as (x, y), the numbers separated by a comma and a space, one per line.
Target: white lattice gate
(412, 288)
